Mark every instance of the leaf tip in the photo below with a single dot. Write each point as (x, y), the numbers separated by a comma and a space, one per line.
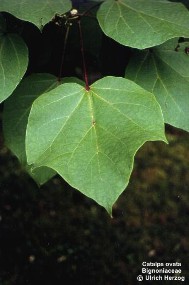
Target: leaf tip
(109, 210)
(165, 140)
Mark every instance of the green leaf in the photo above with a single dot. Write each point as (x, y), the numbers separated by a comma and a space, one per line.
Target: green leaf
(165, 72)
(143, 23)
(15, 118)
(13, 63)
(37, 12)
(90, 137)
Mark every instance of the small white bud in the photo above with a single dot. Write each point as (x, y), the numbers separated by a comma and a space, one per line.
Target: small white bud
(31, 258)
(74, 12)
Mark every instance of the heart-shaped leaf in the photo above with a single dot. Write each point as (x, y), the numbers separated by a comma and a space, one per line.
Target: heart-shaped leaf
(90, 137)
(37, 12)
(164, 71)
(15, 118)
(143, 23)
(13, 62)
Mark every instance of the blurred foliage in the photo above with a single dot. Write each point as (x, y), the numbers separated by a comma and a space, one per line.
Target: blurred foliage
(54, 235)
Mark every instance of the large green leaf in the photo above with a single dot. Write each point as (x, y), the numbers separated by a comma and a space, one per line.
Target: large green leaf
(143, 23)
(13, 63)
(38, 12)
(90, 137)
(164, 71)
(15, 117)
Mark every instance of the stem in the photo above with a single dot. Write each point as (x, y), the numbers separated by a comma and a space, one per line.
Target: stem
(64, 51)
(83, 58)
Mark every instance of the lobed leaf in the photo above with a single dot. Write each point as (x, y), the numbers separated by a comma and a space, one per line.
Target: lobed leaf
(164, 71)
(90, 137)
(143, 23)
(15, 118)
(37, 12)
